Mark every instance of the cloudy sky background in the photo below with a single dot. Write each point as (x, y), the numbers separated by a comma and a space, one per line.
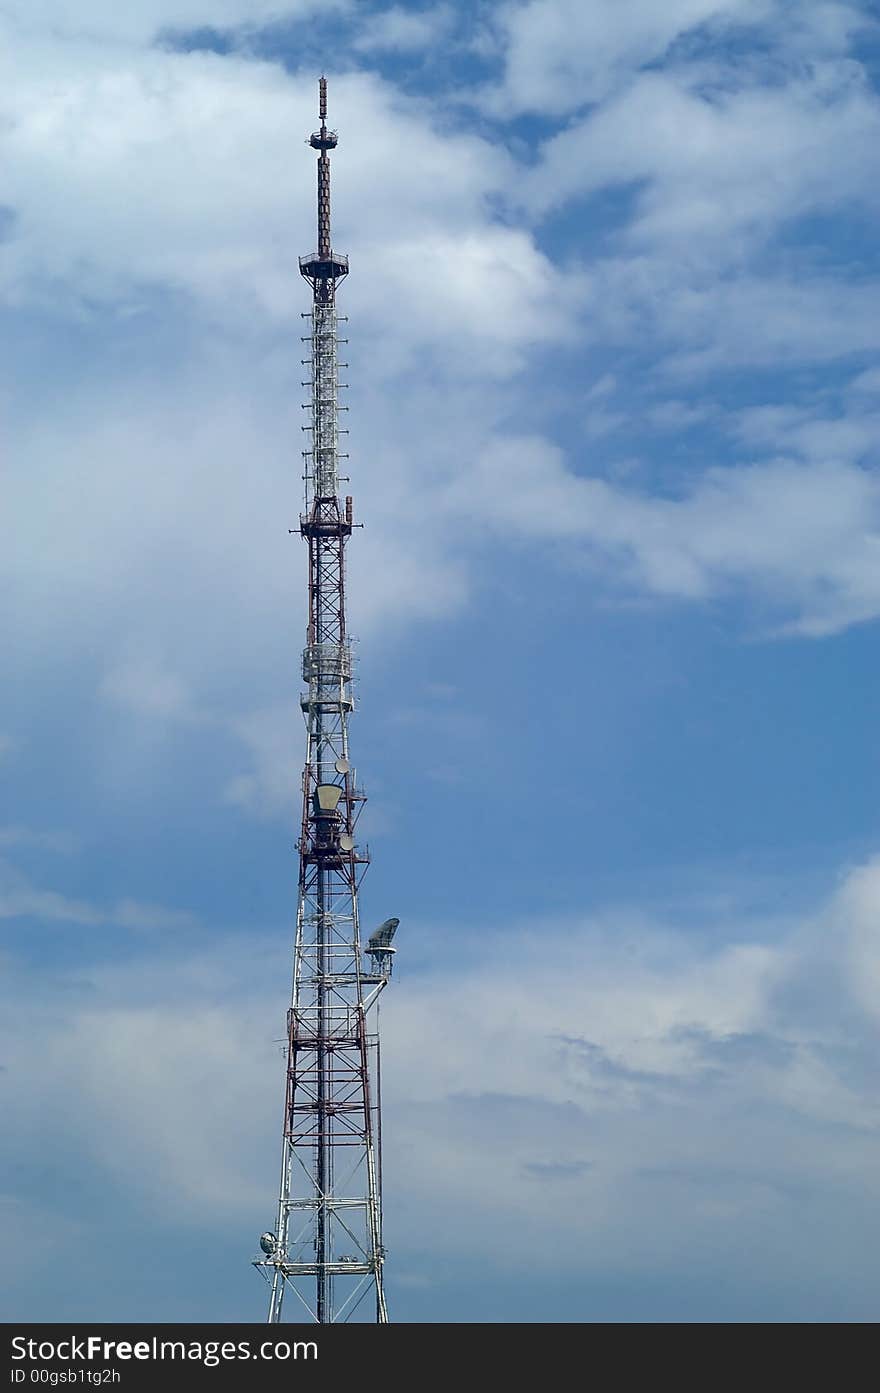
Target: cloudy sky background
(615, 393)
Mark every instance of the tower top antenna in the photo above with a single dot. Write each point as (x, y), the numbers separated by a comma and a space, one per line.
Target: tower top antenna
(323, 139)
(324, 267)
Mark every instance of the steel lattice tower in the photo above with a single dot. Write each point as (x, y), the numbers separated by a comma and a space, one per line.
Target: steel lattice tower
(327, 1245)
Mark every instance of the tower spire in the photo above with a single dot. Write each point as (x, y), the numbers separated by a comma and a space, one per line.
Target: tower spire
(324, 143)
(327, 1243)
(322, 270)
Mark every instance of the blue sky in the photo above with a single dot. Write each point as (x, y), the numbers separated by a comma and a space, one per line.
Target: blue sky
(614, 338)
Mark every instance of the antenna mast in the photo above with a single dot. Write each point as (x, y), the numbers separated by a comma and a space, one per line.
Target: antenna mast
(327, 1244)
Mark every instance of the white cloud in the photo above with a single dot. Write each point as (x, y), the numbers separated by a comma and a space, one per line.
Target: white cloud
(142, 685)
(563, 54)
(16, 835)
(857, 910)
(804, 540)
(186, 172)
(473, 297)
(404, 30)
(633, 1051)
(867, 383)
(133, 914)
(718, 169)
(621, 1047)
(706, 323)
(107, 1054)
(720, 161)
(20, 899)
(269, 788)
(157, 167)
(154, 181)
(180, 571)
(805, 431)
(138, 21)
(173, 171)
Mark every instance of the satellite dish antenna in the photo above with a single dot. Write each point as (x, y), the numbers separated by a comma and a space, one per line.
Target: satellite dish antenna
(346, 842)
(342, 766)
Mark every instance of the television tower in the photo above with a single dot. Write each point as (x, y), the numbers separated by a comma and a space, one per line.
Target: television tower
(327, 1243)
